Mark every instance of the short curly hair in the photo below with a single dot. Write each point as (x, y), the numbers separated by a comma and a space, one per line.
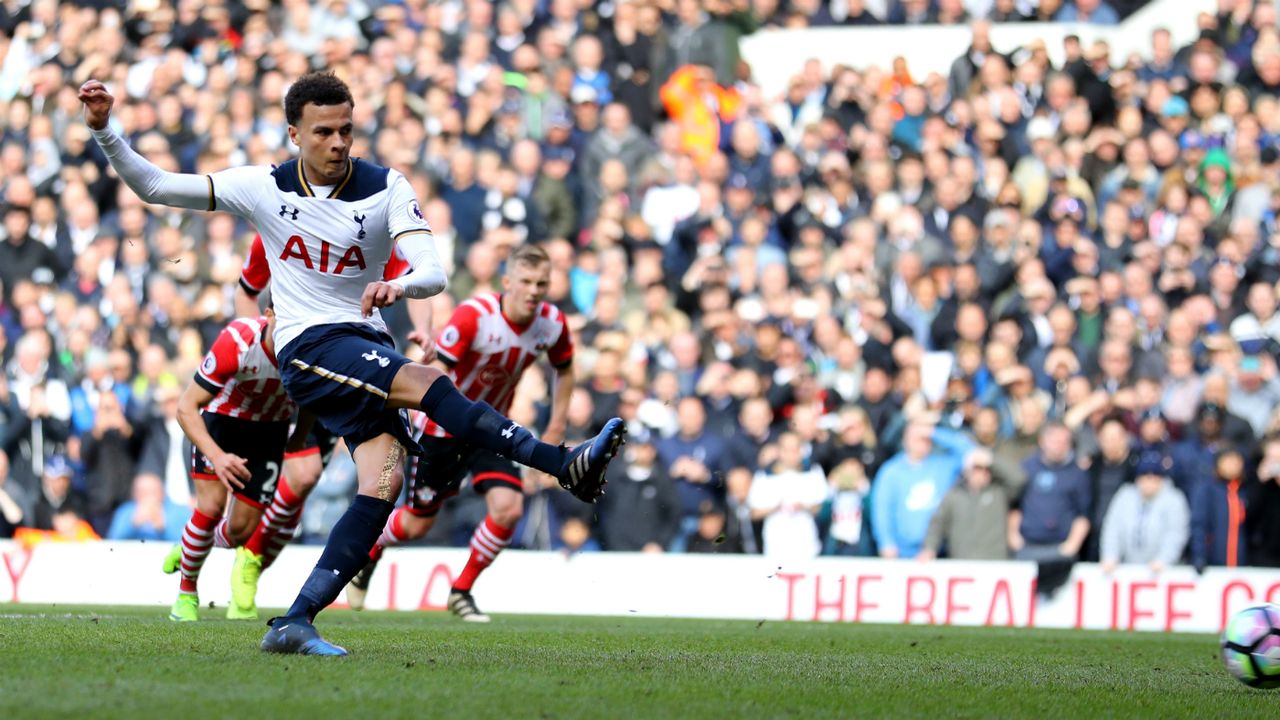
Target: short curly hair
(321, 88)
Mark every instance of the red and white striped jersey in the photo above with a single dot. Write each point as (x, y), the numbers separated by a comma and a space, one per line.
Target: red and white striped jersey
(487, 353)
(243, 376)
(256, 272)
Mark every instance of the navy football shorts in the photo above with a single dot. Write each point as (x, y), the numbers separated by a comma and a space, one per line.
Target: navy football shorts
(342, 374)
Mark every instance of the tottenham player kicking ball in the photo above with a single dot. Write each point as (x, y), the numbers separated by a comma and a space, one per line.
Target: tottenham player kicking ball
(302, 467)
(328, 224)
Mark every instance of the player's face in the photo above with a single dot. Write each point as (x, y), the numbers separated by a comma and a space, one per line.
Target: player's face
(524, 286)
(324, 137)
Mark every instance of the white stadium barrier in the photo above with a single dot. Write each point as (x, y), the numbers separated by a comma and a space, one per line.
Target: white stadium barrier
(690, 586)
(776, 55)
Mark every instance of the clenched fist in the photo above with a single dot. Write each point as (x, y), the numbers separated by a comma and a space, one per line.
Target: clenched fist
(97, 104)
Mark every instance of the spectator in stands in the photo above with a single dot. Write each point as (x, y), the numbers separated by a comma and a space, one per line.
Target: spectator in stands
(1051, 521)
(1148, 521)
(1109, 469)
(575, 537)
(1097, 12)
(56, 495)
(42, 424)
(847, 512)
(693, 457)
(164, 448)
(910, 486)
(1196, 457)
(148, 515)
(641, 511)
(786, 495)
(1255, 391)
(1263, 522)
(14, 505)
(107, 453)
(970, 522)
(711, 537)
(1218, 512)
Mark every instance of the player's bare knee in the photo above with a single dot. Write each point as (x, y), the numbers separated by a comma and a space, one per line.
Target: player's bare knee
(239, 528)
(411, 383)
(506, 508)
(302, 483)
(415, 526)
(209, 505)
(508, 516)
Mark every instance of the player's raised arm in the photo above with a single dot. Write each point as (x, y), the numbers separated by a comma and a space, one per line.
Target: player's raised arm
(153, 185)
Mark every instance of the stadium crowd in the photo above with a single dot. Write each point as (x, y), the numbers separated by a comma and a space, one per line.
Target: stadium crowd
(1021, 309)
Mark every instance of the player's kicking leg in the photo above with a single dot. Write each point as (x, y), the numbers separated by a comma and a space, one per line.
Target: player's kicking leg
(188, 555)
(351, 378)
(579, 470)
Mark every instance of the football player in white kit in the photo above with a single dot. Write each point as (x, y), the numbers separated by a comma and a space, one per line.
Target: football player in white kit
(328, 224)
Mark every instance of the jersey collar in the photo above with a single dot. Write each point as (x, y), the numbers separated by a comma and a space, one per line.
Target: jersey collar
(337, 189)
(512, 323)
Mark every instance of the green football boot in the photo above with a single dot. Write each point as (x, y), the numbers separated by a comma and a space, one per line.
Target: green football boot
(173, 560)
(185, 609)
(245, 572)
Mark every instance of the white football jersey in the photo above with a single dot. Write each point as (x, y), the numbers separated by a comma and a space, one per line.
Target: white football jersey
(322, 250)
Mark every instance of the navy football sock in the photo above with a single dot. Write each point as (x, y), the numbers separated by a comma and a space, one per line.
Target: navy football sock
(345, 554)
(475, 423)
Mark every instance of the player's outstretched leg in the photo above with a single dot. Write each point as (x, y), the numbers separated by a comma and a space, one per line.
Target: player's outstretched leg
(580, 470)
(379, 466)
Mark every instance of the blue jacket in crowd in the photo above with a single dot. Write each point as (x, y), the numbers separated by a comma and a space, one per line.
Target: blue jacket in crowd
(905, 494)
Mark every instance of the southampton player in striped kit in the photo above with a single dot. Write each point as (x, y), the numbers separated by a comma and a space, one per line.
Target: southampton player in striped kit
(329, 224)
(301, 468)
(486, 346)
(237, 416)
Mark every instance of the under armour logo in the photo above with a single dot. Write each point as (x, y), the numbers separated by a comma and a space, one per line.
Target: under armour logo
(510, 432)
(360, 220)
(373, 356)
(284, 210)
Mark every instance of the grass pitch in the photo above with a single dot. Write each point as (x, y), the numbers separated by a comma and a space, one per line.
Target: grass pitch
(99, 662)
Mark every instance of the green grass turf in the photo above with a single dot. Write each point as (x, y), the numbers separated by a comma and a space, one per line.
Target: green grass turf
(74, 662)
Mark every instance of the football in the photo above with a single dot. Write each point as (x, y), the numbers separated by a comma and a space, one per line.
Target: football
(1251, 646)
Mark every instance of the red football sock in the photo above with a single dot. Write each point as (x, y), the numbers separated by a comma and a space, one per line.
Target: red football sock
(220, 537)
(279, 540)
(284, 511)
(197, 541)
(393, 534)
(489, 540)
